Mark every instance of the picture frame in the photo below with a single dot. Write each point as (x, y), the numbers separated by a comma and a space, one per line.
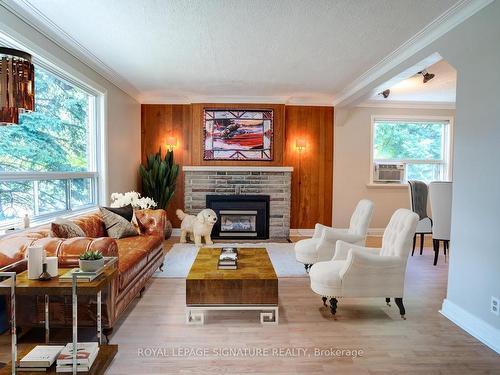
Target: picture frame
(238, 134)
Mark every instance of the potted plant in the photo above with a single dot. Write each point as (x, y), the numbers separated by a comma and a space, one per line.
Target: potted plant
(159, 177)
(91, 261)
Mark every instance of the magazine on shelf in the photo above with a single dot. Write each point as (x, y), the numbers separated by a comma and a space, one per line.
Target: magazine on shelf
(86, 353)
(41, 356)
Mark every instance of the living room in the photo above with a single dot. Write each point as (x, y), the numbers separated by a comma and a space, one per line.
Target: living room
(249, 186)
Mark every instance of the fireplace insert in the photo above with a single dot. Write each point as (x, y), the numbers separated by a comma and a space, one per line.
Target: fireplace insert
(240, 216)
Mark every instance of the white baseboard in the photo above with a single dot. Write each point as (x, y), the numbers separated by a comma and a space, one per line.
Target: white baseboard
(301, 232)
(476, 327)
(309, 232)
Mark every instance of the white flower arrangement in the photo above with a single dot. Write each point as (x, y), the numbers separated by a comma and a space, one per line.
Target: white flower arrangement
(133, 198)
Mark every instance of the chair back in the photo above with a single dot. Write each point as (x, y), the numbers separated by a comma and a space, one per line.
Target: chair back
(361, 217)
(440, 194)
(418, 197)
(398, 235)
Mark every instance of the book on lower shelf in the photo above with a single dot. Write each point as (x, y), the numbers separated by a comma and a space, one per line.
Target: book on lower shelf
(86, 353)
(40, 358)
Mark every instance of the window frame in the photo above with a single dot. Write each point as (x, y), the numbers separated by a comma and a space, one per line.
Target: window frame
(448, 146)
(95, 152)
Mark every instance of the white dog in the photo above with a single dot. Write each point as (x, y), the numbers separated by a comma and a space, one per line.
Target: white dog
(199, 226)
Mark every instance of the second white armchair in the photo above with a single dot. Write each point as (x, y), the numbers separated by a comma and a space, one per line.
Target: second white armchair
(321, 246)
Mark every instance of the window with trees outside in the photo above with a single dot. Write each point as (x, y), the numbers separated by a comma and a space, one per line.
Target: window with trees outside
(422, 146)
(48, 161)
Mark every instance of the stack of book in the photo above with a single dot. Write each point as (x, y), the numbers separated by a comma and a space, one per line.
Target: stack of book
(228, 259)
(39, 359)
(86, 353)
(68, 276)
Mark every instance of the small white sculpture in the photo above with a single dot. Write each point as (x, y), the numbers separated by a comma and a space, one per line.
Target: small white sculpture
(198, 226)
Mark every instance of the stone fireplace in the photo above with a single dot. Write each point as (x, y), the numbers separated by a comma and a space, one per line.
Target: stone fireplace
(239, 195)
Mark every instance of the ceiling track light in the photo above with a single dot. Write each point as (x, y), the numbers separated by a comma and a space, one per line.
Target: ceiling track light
(385, 93)
(427, 76)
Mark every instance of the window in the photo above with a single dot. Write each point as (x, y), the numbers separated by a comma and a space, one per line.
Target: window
(421, 146)
(48, 163)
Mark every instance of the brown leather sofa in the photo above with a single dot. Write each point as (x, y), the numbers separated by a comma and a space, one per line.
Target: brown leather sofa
(138, 258)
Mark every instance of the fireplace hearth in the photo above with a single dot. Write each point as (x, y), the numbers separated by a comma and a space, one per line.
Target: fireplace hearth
(240, 216)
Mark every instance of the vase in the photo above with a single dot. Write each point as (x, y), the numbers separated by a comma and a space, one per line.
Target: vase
(90, 265)
(167, 230)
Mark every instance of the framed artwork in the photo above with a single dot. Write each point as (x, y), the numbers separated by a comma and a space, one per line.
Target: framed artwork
(238, 134)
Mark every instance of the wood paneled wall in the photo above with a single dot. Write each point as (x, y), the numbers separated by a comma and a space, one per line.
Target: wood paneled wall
(312, 182)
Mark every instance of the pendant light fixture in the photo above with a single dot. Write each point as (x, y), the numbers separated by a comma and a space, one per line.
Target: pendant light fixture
(17, 85)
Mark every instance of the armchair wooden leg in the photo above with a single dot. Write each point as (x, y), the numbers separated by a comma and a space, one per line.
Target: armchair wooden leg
(333, 305)
(402, 311)
(388, 302)
(422, 238)
(161, 267)
(414, 242)
(435, 244)
(324, 300)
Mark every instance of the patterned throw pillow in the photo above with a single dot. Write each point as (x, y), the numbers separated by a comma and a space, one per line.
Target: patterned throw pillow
(64, 228)
(116, 225)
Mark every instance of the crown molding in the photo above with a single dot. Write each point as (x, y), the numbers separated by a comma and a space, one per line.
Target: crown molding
(28, 13)
(406, 104)
(437, 28)
(313, 102)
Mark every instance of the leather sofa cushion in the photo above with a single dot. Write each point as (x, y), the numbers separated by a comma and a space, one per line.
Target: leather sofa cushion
(134, 254)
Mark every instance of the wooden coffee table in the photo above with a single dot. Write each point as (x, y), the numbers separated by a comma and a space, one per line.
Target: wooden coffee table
(253, 286)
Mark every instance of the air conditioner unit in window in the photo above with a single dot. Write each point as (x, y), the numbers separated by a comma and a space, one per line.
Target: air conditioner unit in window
(389, 172)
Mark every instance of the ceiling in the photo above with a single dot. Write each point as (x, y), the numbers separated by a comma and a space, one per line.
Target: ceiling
(294, 51)
(440, 89)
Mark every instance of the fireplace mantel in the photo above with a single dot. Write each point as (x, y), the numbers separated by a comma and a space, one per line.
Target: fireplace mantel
(223, 168)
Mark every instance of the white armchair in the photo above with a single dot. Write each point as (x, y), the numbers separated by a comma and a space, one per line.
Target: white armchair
(357, 271)
(322, 244)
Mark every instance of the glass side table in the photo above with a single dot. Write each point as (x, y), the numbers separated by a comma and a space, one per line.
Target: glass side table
(20, 285)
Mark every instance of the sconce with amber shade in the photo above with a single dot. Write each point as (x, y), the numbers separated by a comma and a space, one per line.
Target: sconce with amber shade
(300, 144)
(17, 85)
(171, 143)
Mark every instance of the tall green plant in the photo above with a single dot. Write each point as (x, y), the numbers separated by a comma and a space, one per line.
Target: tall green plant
(159, 177)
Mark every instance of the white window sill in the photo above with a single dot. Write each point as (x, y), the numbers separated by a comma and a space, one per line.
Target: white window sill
(386, 186)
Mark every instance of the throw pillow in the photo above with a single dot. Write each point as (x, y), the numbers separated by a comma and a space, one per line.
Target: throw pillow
(64, 228)
(126, 212)
(116, 225)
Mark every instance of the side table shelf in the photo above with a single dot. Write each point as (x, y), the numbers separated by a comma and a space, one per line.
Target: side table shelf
(20, 284)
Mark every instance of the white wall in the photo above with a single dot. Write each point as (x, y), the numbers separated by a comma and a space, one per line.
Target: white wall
(352, 164)
(122, 117)
(473, 49)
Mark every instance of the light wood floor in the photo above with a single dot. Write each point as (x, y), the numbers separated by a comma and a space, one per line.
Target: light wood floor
(426, 343)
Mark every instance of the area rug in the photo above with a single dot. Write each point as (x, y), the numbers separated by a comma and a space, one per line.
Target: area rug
(180, 258)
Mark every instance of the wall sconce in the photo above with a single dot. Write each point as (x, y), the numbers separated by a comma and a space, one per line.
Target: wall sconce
(171, 143)
(300, 144)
